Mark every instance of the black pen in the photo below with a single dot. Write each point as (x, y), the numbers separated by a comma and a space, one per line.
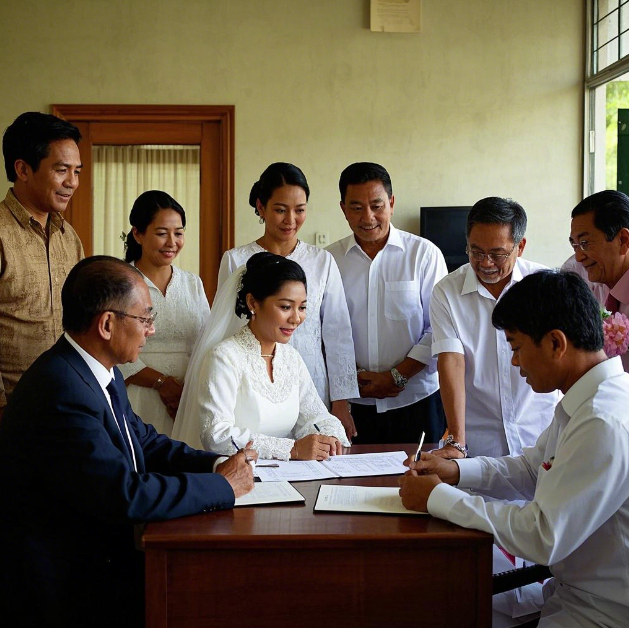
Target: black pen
(234, 444)
(317, 428)
(418, 453)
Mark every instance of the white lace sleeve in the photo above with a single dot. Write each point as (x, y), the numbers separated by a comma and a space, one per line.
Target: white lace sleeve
(313, 411)
(336, 332)
(219, 382)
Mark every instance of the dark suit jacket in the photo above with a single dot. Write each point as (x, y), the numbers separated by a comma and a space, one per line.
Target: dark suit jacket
(69, 497)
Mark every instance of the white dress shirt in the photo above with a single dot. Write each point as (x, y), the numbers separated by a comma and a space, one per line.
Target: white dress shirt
(389, 299)
(324, 339)
(576, 519)
(502, 413)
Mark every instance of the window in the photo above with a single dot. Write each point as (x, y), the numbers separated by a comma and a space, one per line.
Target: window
(607, 97)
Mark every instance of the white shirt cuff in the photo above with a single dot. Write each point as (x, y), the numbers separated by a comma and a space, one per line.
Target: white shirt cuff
(447, 345)
(218, 461)
(442, 499)
(470, 473)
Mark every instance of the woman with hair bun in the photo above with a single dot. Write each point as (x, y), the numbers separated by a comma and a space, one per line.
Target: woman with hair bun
(155, 381)
(324, 341)
(253, 386)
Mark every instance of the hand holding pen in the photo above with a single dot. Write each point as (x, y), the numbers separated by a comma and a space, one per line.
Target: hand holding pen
(251, 455)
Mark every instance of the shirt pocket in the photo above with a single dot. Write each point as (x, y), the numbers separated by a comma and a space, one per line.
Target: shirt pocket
(401, 300)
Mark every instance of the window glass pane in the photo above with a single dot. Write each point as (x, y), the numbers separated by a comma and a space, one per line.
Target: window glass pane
(607, 28)
(609, 99)
(605, 7)
(624, 17)
(607, 54)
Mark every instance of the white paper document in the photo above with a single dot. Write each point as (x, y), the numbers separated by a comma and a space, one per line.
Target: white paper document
(270, 493)
(383, 500)
(348, 466)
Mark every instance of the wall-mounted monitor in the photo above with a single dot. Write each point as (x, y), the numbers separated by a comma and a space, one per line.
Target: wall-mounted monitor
(445, 226)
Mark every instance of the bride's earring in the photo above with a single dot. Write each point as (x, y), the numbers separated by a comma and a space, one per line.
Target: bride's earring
(253, 314)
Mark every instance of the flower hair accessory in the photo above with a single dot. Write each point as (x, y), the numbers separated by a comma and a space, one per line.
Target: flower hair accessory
(615, 333)
(123, 237)
(240, 281)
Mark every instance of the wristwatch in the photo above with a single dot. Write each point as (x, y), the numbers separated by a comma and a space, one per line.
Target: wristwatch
(452, 443)
(398, 378)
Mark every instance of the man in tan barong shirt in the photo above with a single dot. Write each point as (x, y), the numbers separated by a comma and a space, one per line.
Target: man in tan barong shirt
(37, 247)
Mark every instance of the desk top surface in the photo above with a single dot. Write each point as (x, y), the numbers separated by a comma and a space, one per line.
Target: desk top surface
(294, 524)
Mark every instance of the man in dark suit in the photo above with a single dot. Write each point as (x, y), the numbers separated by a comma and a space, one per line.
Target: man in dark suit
(78, 468)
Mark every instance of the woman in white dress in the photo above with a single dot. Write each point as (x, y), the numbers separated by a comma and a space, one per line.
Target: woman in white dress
(155, 381)
(254, 386)
(324, 341)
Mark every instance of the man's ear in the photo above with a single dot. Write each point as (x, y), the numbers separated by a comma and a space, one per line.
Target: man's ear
(521, 246)
(22, 170)
(392, 203)
(557, 343)
(104, 325)
(623, 235)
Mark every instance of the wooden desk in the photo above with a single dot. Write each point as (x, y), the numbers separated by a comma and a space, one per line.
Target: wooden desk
(280, 566)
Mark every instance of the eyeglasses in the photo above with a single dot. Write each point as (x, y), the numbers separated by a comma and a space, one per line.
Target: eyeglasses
(584, 245)
(497, 258)
(148, 321)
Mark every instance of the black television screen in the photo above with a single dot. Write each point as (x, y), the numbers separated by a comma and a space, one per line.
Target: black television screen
(445, 226)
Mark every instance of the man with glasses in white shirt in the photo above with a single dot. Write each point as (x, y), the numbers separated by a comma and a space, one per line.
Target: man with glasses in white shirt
(388, 276)
(574, 481)
(489, 409)
(599, 235)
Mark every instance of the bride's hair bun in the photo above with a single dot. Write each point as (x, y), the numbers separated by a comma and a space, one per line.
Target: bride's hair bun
(265, 275)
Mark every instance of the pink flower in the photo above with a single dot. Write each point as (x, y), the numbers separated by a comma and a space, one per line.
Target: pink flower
(615, 334)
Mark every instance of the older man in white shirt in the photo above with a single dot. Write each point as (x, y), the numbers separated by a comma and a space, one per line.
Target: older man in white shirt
(388, 276)
(575, 480)
(489, 409)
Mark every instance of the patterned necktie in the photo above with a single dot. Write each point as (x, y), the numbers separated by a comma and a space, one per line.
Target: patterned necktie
(119, 416)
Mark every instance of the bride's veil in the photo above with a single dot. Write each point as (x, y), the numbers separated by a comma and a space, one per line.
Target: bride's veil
(222, 323)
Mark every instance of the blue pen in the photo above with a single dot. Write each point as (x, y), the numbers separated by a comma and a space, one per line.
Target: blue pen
(234, 444)
(317, 428)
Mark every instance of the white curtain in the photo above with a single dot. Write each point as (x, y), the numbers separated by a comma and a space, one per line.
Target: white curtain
(122, 173)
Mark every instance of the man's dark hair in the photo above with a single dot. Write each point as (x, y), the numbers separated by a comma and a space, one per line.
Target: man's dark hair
(551, 299)
(494, 210)
(363, 172)
(29, 138)
(96, 284)
(266, 274)
(611, 211)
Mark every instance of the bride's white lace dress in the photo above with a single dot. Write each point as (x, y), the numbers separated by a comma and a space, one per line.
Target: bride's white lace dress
(324, 339)
(238, 400)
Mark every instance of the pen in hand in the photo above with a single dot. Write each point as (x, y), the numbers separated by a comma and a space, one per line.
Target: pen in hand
(418, 453)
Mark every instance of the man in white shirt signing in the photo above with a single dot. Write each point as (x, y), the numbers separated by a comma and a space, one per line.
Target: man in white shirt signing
(489, 409)
(388, 276)
(575, 480)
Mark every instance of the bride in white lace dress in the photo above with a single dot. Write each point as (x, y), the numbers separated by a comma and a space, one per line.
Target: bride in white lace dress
(254, 386)
(324, 341)
(155, 381)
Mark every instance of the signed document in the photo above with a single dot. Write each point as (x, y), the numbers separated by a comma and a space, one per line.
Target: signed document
(348, 466)
(270, 493)
(381, 500)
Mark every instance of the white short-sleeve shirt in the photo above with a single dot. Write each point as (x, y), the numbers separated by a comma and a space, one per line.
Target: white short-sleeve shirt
(502, 413)
(388, 299)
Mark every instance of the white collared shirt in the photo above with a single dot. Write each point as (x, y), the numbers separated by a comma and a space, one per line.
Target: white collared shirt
(502, 413)
(103, 376)
(389, 299)
(576, 481)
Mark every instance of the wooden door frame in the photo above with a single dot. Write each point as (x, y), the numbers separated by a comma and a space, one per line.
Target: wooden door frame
(209, 126)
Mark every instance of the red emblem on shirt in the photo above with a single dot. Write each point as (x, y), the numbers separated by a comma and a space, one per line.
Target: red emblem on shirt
(549, 464)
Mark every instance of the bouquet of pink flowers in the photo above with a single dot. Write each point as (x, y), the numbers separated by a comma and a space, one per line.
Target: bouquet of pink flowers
(615, 333)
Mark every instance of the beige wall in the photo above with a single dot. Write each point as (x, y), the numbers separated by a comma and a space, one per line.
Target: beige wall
(487, 100)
